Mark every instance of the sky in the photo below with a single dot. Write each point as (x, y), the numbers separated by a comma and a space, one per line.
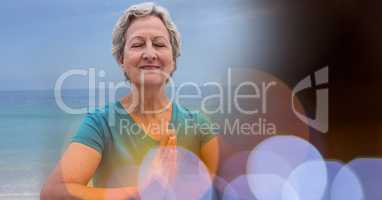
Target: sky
(42, 39)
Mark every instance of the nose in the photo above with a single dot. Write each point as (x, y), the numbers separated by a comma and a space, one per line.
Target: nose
(149, 54)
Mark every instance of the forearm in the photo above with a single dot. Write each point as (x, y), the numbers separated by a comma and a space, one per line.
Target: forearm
(210, 156)
(78, 191)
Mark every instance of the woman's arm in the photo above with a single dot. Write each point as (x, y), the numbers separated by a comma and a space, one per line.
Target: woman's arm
(70, 178)
(210, 155)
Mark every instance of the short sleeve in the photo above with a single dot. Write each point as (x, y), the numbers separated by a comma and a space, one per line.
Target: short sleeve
(207, 128)
(90, 132)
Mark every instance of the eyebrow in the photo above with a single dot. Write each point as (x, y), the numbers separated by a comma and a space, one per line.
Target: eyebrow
(142, 38)
(159, 37)
(135, 37)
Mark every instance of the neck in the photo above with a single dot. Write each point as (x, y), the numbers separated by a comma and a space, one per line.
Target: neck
(147, 100)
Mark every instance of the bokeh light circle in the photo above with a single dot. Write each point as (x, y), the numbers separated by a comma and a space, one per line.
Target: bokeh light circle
(369, 173)
(191, 180)
(238, 189)
(290, 162)
(346, 185)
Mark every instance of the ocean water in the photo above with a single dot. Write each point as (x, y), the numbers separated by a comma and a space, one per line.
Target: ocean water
(34, 133)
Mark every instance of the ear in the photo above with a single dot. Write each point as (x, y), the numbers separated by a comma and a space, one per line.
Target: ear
(120, 61)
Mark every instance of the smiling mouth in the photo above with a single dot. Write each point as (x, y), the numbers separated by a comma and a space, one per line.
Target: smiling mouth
(149, 67)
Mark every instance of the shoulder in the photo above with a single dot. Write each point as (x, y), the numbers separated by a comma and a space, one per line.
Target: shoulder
(102, 116)
(94, 128)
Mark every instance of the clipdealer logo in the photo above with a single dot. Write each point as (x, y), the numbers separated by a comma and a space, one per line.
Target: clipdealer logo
(320, 85)
(227, 98)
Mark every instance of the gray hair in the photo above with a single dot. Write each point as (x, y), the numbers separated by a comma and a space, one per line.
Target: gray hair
(141, 10)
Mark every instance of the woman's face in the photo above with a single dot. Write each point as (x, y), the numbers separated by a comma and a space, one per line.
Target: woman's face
(147, 57)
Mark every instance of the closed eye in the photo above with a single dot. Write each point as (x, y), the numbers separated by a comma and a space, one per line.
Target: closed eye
(136, 45)
(159, 45)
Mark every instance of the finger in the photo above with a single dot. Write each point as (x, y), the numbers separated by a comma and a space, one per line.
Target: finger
(171, 141)
(168, 139)
(164, 140)
(171, 132)
(169, 150)
(171, 137)
(162, 148)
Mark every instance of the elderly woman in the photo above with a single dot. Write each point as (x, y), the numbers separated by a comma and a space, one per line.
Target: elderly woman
(105, 148)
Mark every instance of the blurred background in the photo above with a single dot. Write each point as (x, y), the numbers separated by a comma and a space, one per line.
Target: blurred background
(286, 40)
